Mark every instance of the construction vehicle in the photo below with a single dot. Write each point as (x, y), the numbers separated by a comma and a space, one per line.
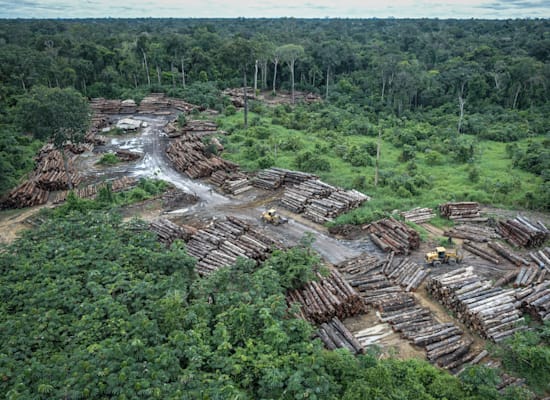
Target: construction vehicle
(271, 216)
(441, 255)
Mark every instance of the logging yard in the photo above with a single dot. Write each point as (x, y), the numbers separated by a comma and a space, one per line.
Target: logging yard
(378, 289)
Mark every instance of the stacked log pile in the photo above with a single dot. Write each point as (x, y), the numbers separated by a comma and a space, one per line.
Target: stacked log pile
(167, 231)
(327, 298)
(480, 251)
(49, 172)
(521, 232)
(234, 182)
(200, 127)
(99, 121)
(236, 95)
(273, 178)
(475, 233)
(189, 156)
(489, 310)
(535, 301)
(28, 194)
(541, 258)
(128, 106)
(444, 343)
(526, 276)
(335, 335)
(462, 212)
(127, 155)
(220, 244)
(418, 215)
(155, 103)
(392, 235)
(91, 190)
(406, 273)
(509, 255)
(319, 201)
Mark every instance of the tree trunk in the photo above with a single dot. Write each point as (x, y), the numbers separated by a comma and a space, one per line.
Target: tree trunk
(461, 102)
(383, 89)
(264, 74)
(292, 80)
(173, 75)
(158, 75)
(146, 68)
(326, 93)
(255, 77)
(245, 100)
(276, 62)
(377, 158)
(135, 81)
(182, 73)
(514, 104)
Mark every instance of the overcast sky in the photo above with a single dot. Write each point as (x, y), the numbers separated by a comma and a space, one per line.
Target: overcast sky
(275, 8)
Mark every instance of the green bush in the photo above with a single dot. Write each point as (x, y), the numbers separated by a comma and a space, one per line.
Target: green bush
(108, 159)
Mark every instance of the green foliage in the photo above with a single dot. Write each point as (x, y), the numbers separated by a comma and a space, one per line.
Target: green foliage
(53, 113)
(182, 120)
(310, 162)
(296, 266)
(527, 354)
(108, 159)
(16, 157)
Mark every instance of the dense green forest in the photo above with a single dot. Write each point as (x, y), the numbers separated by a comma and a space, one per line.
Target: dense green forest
(461, 105)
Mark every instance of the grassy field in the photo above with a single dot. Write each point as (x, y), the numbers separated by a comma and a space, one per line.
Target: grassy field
(423, 181)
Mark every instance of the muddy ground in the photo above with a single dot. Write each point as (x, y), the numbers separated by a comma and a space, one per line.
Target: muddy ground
(212, 205)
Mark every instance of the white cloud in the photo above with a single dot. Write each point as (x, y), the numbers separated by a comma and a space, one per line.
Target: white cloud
(273, 8)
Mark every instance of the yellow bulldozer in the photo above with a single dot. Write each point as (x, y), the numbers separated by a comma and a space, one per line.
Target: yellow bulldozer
(271, 216)
(441, 255)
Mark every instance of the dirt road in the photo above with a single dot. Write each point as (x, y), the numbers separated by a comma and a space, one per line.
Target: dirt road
(152, 142)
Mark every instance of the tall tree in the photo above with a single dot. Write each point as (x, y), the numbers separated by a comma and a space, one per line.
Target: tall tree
(289, 54)
(58, 115)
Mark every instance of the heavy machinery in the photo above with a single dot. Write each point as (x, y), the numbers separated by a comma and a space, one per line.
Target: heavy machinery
(271, 216)
(441, 255)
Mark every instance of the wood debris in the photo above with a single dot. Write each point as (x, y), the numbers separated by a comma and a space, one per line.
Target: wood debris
(327, 298)
(418, 215)
(220, 244)
(526, 276)
(392, 235)
(521, 232)
(489, 310)
(465, 211)
(335, 335)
